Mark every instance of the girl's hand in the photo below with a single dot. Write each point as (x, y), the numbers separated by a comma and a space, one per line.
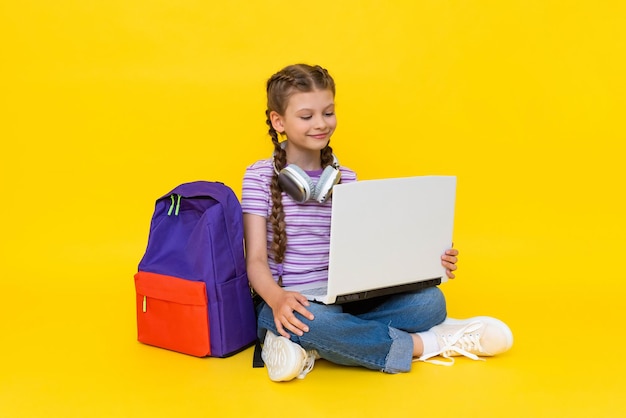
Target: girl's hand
(449, 260)
(284, 309)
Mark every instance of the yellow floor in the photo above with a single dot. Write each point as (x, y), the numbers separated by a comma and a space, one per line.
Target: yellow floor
(70, 351)
(106, 105)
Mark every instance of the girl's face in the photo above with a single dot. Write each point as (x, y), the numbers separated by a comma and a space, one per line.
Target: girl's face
(309, 120)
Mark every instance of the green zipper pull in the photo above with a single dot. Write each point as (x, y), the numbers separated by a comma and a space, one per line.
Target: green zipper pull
(169, 212)
(178, 205)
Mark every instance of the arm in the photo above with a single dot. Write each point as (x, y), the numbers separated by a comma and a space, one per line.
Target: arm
(283, 303)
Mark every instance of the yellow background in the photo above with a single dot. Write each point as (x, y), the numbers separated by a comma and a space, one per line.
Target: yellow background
(106, 105)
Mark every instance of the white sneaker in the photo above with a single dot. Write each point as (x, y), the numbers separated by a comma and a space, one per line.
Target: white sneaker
(479, 336)
(286, 360)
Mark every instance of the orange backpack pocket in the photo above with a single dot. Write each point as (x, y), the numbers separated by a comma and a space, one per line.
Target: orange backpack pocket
(172, 313)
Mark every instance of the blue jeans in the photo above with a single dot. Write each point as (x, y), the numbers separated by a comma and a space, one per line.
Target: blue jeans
(373, 333)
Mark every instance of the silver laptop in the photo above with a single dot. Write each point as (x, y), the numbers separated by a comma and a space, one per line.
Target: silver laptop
(387, 236)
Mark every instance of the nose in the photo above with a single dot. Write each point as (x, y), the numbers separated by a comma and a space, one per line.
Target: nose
(320, 122)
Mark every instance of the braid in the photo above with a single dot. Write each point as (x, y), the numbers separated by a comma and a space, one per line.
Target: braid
(327, 156)
(280, 87)
(277, 217)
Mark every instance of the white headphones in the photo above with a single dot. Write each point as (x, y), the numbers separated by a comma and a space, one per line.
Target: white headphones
(298, 185)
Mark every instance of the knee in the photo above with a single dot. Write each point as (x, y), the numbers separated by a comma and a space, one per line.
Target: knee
(436, 296)
(429, 309)
(324, 316)
(437, 302)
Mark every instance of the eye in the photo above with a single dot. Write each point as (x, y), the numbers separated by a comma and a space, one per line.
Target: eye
(329, 114)
(305, 117)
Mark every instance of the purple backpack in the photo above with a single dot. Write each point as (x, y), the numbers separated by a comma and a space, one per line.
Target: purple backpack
(192, 291)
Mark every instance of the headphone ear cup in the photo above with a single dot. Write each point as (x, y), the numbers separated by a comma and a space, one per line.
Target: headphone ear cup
(324, 187)
(296, 183)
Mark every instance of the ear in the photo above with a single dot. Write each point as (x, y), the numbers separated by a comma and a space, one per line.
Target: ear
(277, 122)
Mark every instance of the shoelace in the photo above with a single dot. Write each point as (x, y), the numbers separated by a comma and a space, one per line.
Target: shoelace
(461, 342)
(309, 362)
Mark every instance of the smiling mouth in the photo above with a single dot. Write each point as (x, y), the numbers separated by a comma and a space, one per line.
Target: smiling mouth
(320, 136)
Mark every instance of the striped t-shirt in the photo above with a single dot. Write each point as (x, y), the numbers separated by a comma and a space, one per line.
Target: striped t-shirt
(307, 224)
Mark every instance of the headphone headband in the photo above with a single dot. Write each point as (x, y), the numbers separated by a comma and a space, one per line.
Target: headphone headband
(298, 185)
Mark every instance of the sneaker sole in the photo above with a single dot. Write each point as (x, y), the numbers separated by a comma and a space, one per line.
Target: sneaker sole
(282, 357)
(487, 320)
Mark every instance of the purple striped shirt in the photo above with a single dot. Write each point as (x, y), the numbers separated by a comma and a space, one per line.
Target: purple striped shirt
(308, 224)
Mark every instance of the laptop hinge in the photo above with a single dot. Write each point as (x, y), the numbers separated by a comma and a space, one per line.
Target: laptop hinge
(368, 294)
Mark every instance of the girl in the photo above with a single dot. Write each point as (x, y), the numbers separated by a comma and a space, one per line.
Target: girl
(286, 217)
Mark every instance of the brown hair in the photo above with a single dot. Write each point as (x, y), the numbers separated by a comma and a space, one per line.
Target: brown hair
(291, 79)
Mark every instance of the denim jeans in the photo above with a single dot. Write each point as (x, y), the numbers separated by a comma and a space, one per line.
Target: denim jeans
(373, 333)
